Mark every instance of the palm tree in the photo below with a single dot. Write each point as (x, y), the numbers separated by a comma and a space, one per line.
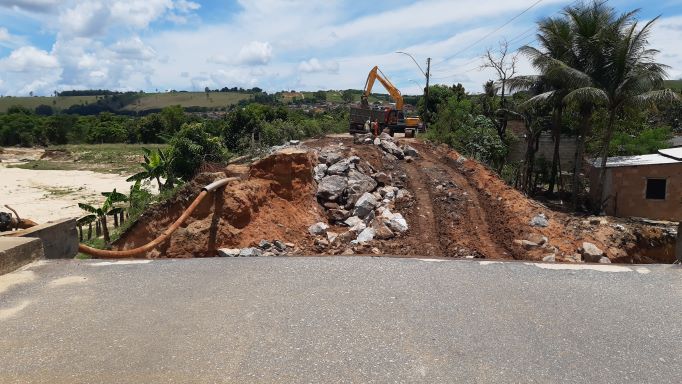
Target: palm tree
(630, 75)
(100, 213)
(156, 166)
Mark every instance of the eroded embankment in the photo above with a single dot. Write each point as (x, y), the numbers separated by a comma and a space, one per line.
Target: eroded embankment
(274, 201)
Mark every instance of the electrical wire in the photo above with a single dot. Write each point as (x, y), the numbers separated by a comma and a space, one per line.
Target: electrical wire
(490, 33)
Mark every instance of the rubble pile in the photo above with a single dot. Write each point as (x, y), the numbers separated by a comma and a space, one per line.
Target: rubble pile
(264, 248)
(391, 147)
(358, 200)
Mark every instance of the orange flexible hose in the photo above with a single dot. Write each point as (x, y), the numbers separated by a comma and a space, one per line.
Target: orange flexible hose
(128, 253)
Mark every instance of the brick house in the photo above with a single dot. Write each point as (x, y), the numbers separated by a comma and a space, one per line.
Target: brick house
(643, 186)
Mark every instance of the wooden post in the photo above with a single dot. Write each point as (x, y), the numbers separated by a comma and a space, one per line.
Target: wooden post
(678, 249)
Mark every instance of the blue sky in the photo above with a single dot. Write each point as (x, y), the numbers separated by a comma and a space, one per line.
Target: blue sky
(48, 45)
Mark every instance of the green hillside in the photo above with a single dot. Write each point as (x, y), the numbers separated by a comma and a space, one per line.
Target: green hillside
(143, 101)
(186, 99)
(60, 102)
(673, 84)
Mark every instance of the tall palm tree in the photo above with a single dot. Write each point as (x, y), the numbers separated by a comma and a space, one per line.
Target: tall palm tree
(630, 75)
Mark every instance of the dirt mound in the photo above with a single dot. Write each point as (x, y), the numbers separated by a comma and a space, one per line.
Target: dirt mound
(275, 202)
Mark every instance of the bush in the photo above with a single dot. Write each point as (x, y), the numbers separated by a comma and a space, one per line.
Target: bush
(191, 147)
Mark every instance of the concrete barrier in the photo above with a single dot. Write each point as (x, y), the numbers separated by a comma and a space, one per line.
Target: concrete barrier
(16, 252)
(60, 238)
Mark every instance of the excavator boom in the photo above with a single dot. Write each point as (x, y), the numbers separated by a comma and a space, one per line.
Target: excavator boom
(376, 74)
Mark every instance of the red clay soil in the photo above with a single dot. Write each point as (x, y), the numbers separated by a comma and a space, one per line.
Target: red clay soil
(275, 201)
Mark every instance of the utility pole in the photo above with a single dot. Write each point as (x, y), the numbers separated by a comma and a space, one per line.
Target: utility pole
(426, 91)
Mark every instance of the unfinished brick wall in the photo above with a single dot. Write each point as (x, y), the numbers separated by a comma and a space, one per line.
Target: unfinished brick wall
(626, 187)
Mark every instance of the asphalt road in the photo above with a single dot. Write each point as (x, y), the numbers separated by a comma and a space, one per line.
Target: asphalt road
(339, 319)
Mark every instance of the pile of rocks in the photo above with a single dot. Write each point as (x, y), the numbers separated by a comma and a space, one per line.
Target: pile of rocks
(357, 197)
(389, 145)
(264, 248)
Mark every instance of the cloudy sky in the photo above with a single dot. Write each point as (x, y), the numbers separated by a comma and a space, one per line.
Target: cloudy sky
(48, 45)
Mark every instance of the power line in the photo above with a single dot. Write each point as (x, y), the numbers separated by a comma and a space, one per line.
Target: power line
(490, 33)
(521, 36)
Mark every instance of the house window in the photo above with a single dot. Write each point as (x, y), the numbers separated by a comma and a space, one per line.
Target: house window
(655, 189)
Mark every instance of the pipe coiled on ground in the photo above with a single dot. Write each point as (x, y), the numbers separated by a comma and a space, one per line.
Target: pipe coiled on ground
(128, 253)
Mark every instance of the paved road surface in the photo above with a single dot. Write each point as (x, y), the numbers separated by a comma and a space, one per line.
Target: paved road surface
(339, 319)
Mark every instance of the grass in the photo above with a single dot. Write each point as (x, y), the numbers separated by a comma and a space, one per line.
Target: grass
(60, 102)
(105, 158)
(673, 84)
(187, 99)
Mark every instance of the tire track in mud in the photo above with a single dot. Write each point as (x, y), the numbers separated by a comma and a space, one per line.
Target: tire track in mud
(459, 218)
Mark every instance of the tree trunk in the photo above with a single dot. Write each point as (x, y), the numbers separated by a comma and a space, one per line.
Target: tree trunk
(98, 229)
(89, 230)
(105, 230)
(556, 132)
(115, 220)
(579, 152)
(604, 158)
(80, 232)
(121, 220)
(158, 181)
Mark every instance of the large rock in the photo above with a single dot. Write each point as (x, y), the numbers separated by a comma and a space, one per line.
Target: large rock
(591, 253)
(250, 252)
(320, 171)
(381, 231)
(365, 204)
(390, 147)
(353, 221)
(331, 187)
(358, 184)
(383, 179)
(360, 138)
(318, 228)
(410, 151)
(337, 215)
(366, 235)
(229, 252)
(329, 158)
(539, 221)
(339, 168)
(397, 223)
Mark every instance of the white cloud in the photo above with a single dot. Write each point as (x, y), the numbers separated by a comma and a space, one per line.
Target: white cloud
(133, 49)
(186, 6)
(255, 53)
(314, 65)
(28, 59)
(85, 19)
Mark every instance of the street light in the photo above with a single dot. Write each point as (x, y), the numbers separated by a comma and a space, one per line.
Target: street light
(426, 89)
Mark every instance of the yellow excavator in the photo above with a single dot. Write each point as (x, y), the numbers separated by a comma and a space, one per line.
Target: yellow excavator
(387, 117)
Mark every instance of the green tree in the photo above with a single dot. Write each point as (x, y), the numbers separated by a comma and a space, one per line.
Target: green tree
(191, 147)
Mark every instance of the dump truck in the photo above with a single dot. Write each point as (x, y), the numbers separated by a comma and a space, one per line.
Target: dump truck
(391, 117)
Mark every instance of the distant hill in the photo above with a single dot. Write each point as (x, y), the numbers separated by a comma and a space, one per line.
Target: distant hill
(139, 102)
(673, 84)
(61, 102)
(186, 100)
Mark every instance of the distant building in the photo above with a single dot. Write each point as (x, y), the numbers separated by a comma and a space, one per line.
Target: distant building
(643, 186)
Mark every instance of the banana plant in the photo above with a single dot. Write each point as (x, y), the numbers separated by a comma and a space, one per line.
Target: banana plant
(156, 165)
(100, 213)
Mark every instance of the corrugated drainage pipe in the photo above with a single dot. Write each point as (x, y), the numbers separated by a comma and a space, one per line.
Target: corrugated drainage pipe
(105, 253)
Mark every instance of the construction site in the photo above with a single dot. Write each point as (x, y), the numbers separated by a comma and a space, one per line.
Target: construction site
(343, 195)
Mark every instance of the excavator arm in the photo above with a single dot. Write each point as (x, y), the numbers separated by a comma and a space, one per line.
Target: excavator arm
(376, 74)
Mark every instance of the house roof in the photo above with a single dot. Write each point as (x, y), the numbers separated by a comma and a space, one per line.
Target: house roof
(664, 156)
(674, 153)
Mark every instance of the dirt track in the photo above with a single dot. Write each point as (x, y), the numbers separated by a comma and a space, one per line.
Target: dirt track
(458, 208)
